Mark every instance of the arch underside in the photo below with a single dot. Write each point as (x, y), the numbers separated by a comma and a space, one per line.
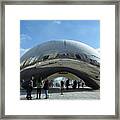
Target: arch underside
(48, 71)
(63, 74)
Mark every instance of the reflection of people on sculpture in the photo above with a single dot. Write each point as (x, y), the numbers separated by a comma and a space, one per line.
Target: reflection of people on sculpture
(74, 84)
(51, 83)
(78, 84)
(83, 83)
(62, 87)
(67, 84)
(46, 87)
(39, 86)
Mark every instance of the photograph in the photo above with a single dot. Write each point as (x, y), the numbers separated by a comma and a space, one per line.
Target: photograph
(59, 60)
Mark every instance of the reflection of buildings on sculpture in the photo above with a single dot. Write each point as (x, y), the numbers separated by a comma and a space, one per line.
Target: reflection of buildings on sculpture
(63, 58)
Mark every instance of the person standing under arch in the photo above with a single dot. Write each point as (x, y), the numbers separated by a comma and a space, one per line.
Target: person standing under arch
(39, 87)
(74, 84)
(29, 89)
(67, 84)
(46, 87)
(62, 86)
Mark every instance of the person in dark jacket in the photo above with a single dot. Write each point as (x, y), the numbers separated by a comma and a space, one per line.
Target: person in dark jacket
(78, 84)
(67, 84)
(29, 90)
(39, 86)
(46, 87)
(74, 84)
(62, 86)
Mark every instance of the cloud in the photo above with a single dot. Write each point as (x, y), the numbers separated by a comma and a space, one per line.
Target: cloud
(25, 37)
(57, 22)
(23, 51)
(25, 41)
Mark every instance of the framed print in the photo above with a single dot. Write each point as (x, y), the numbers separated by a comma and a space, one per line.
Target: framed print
(60, 60)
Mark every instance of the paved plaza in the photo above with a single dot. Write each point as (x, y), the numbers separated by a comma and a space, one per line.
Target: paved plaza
(68, 95)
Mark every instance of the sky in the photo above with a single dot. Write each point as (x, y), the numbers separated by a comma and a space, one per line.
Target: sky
(34, 32)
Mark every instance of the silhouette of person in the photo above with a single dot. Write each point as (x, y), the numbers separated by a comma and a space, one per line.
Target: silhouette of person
(74, 84)
(46, 87)
(29, 90)
(39, 87)
(78, 84)
(62, 87)
(67, 84)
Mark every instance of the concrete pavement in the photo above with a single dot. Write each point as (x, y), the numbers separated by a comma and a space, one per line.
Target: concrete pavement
(71, 95)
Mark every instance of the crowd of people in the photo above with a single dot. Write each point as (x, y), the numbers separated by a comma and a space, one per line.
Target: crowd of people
(74, 85)
(28, 86)
(45, 84)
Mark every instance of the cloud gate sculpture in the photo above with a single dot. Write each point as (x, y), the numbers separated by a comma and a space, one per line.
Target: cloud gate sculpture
(68, 58)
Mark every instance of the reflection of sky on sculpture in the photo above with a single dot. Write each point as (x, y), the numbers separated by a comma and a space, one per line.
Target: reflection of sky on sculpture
(60, 78)
(34, 32)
